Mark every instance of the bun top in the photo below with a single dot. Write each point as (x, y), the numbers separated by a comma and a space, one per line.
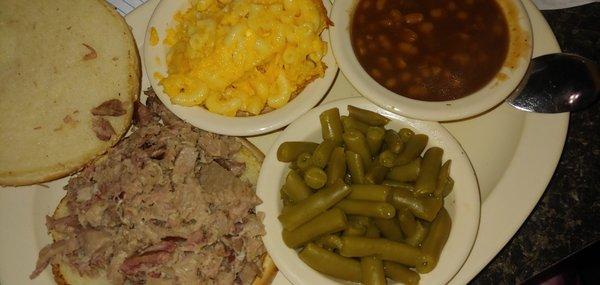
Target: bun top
(70, 74)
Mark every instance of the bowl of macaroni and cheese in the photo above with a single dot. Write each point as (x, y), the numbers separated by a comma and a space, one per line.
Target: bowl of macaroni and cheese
(242, 67)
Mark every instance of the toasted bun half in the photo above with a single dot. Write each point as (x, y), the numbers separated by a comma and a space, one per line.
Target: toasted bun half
(59, 59)
(249, 154)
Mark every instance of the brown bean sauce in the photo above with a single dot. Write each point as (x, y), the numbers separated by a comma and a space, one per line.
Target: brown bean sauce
(430, 50)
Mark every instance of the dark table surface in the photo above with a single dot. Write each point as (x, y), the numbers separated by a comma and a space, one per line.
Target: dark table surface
(567, 217)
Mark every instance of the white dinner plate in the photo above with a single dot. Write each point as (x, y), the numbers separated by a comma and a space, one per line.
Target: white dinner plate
(513, 153)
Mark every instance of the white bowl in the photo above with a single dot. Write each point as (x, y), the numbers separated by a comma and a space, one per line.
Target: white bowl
(463, 203)
(500, 87)
(155, 62)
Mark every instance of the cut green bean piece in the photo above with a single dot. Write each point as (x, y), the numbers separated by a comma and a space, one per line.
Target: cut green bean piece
(372, 231)
(354, 229)
(329, 242)
(387, 158)
(425, 208)
(443, 179)
(356, 167)
(430, 170)
(289, 151)
(390, 229)
(295, 188)
(331, 125)
(353, 124)
(315, 177)
(406, 173)
(331, 263)
(336, 167)
(421, 229)
(400, 273)
(320, 157)
(314, 205)
(383, 248)
(372, 271)
(328, 222)
(448, 188)
(376, 193)
(393, 142)
(367, 117)
(434, 242)
(367, 208)
(375, 139)
(376, 173)
(412, 149)
(303, 161)
(406, 134)
(356, 142)
(407, 221)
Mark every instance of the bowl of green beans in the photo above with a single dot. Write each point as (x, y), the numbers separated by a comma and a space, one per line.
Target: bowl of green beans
(354, 193)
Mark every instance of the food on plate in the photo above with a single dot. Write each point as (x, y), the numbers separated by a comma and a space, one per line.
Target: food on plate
(379, 209)
(169, 204)
(244, 57)
(430, 50)
(70, 74)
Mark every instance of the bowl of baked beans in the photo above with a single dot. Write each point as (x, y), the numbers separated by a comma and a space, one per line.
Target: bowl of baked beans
(429, 59)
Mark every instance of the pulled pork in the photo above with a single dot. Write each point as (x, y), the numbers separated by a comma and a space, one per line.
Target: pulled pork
(166, 205)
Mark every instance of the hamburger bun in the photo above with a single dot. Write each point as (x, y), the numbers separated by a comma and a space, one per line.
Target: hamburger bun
(60, 59)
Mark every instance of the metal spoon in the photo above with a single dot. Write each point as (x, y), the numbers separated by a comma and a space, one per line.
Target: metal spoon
(557, 83)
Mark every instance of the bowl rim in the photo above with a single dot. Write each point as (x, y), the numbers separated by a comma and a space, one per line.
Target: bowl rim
(491, 95)
(154, 61)
(465, 205)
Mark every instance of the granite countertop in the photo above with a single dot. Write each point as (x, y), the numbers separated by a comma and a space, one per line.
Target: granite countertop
(567, 218)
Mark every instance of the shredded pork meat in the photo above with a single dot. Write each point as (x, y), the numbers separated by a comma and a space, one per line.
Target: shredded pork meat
(166, 206)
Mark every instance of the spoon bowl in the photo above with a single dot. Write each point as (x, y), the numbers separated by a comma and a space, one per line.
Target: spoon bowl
(557, 83)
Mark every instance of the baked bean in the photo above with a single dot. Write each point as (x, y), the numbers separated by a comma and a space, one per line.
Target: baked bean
(387, 22)
(413, 18)
(462, 15)
(417, 90)
(396, 15)
(380, 4)
(436, 13)
(400, 63)
(426, 27)
(409, 35)
(405, 76)
(391, 82)
(376, 73)
(384, 63)
(384, 42)
(451, 6)
(408, 48)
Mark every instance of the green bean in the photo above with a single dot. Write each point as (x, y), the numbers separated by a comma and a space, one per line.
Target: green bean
(286, 199)
(425, 208)
(331, 126)
(354, 229)
(303, 161)
(386, 158)
(314, 205)
(329, 242)
(430, 170)
(405, 134)
(315, 177)
(330, 263)
(352, 124)
(406, 173)
(360, 220)
(419, 235)
(356, 142)
(443, 180)
(413, 148)
(372, 231)
(407, 221)
(295, 188)
(399, 185)
(448, 188)
(375, 139)
(356, 167)
(367, 208)
(336, 167)
(435, 240)
(289, 151)
(393, 142)
(376, 173)
(400, 273)
(372, 271)
(389, 229)
(320, 156)
(328, 222)
(367, 117)
(376, 193)
(383, 248)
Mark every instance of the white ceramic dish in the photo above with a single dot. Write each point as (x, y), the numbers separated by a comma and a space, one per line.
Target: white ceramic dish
(514, 155)
(154, 58)
(513, 70)
(462, 204)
